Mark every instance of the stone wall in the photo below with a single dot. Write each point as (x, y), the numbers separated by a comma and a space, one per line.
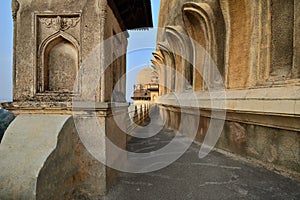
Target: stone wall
(52, 39)
(42, 157)
(47, 156)
(250, 42)
(69, 57)
(275, 148)
(254, 46)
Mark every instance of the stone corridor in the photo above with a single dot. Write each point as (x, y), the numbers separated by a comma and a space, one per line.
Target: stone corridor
(215, 177)
(70, 57)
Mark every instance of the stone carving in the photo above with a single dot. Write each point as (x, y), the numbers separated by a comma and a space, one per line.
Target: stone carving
(60, 23)
(57, 39)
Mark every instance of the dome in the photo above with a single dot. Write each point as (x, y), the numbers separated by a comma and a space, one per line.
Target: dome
(145, 76)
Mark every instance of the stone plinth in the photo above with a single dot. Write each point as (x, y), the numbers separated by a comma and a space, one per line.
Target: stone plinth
(42, 157)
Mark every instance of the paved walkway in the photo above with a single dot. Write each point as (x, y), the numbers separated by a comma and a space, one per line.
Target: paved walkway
(214, 177)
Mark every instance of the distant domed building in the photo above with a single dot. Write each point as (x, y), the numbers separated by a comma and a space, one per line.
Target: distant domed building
(147, 87)
(144, 77)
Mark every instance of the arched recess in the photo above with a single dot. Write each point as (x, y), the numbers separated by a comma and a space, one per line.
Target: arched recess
(181, 49)
(158, 66)
(59, 64)
(207, 30)
(168, 65)
(239, 18)
(158, 59)
(155, 66)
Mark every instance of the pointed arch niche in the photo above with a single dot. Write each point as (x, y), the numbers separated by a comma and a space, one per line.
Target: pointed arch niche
(158, 66)
(181, 49)
(207, 31)
(168, 65)
(59, 64)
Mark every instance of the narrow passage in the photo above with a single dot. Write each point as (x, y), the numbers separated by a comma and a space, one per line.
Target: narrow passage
(214, 177)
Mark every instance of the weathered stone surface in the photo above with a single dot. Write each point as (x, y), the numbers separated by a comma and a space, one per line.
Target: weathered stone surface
(53, 39)
(42, 157)
(276, 149)
(255, 47)
(243, 39)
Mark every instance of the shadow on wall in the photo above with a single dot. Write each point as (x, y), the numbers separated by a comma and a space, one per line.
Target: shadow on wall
(5, 119)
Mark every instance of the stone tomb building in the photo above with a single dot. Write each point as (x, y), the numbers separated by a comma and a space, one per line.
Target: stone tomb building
(255, 45)
(42, 156)
(147, 88)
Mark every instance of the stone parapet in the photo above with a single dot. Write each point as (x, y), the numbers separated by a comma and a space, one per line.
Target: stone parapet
(281, 101)
(43, 157)
(260, 124)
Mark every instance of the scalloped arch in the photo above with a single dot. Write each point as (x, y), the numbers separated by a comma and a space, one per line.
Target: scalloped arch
(182, 51)
(201, 23)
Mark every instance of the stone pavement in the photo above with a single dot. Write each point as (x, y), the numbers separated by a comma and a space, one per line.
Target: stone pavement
(214, 177)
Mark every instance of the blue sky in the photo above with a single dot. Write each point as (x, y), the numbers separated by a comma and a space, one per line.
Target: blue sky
(141, 45)
(140, 48)
(6, 43)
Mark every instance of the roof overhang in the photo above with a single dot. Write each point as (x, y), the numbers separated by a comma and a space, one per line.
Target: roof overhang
(134, 14)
